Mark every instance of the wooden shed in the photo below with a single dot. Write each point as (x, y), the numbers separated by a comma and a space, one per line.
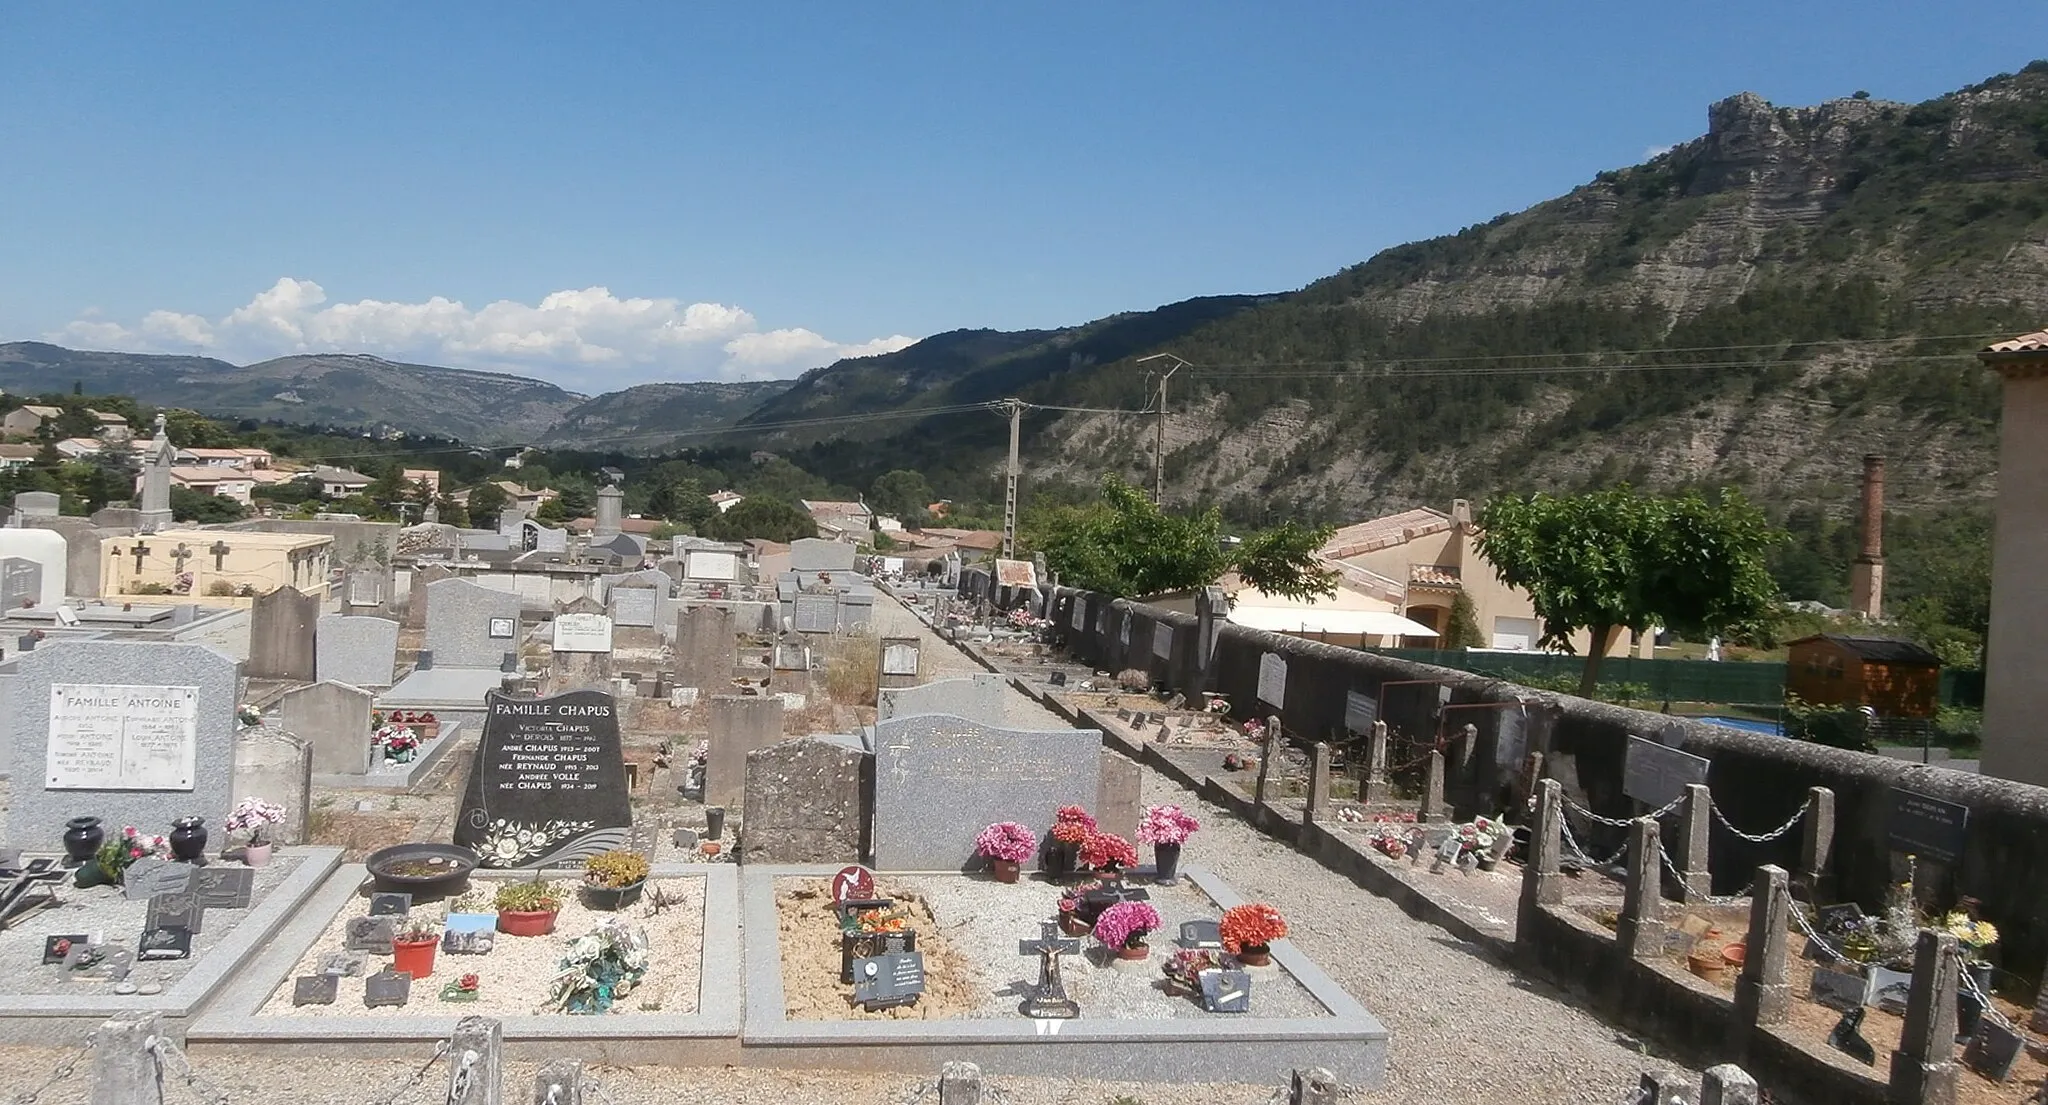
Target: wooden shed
(1898, 679)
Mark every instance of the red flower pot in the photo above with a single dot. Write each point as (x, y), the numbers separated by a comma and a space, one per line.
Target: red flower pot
(527, 923)
(1005, 870)
(416, 960)
(1134, 951)
(1256, 955)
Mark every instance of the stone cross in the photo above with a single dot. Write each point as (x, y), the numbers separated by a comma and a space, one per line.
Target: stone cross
(140, 550)
(1050, 1000)
(180, 555)
(220, 554)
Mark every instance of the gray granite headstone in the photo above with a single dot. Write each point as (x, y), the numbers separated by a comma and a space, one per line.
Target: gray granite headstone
(940, 780)
(470, 626)
(275, 766)
(706, 649)
(633, 606)
(281, 632)
(811, 555)
(21, 582)
(151, 735)
(358, 651)
(334, 718)
(815, 612)
(806, 802)
(977, 697)
(737, 726)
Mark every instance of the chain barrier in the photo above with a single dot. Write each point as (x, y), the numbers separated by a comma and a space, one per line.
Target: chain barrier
(1622, 822)
(1963, 977)
(170, 1059)
(1565, 823)
(1692, 891)
(593, 1085)
(58, 1074)
(1763, 838)
(464, 1075)
(412, 1081)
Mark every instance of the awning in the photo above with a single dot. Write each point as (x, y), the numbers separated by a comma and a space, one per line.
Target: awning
(1334, 622)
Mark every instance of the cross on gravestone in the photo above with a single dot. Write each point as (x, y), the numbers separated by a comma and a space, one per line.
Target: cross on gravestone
(220, 552)
(180, 555)
(140, 550)
(1049, 1000)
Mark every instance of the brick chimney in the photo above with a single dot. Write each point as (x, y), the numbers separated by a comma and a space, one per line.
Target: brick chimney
(1866, 575)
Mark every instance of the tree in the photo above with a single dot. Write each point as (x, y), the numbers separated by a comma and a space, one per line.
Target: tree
(198, 506)
(1125, 545)
(1464, 631)
(485, 501)
(765, 518)
(1615, 559)
(902, 493)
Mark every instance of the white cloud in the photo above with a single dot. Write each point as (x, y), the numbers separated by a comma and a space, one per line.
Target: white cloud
(585, 337)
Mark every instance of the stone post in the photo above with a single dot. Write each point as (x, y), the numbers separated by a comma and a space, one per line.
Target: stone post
(1542, 877)
(559, 1082)
(1762, 994)
(1314, 1086)
(1924, 1067)
(1695, 880)
(1374, 788)
(1640, 931)
(476, 1062)
(124, 1069)
(1433, 808)
(1316, 805)
(960, 1084)
(1728, 1084)
(1664, 1088)
(1814, 883)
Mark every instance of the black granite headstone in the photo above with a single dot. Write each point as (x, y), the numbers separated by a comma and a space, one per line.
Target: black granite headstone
(1226, 991)
(548, 783)
(184, 910)
(892, 978)
(1839, 989)
(1200, 934)
(387, 988)
(1927, 827)
(315, 989)
(224, 887)
(170, 942)
(390, 904)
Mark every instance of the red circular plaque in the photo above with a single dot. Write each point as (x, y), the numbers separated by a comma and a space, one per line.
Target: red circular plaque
(853, 884)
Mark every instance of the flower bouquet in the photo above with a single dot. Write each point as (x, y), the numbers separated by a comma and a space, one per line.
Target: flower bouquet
(1075, 914)
(1166, 828)
(1070, 827)
(1255, 731)
(248, 716)
(1123, 927)
(1006, 844)
(251, 816)
(1247, 930)
(600, 967)
(1107, 853)
(1478, 837)
(114, 857)
(400, 743)
(1183, 969)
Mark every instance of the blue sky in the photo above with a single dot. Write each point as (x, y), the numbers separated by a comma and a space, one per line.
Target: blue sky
(603, 194)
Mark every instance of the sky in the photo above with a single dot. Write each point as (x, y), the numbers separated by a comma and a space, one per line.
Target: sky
(606, 194)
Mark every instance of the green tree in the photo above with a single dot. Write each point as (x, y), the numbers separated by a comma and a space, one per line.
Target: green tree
(1124, 544)
(762, 517)
(485, 501)
(1615, 559)
(198, 506)
(1464, 631)
(551, 512)
(903, 493)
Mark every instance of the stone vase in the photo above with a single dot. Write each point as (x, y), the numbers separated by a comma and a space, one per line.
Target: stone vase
(1256, 955)
(1134, 951)
(82, 839)
(188, 838)
(1167, 859)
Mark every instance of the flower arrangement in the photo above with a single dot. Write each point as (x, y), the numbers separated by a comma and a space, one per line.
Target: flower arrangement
(247, 716)
(417, 928)
(1255, 731)
(1007, 841)
(1070, 897)
(1108, 852)
(251, 815)
(528, 897)
(1216, 704)
(1251, 926)
(1126, 924)
(1071, 825)
(1480, 834)
(616, 869)
(1971, 933)
(1166, 825)
(869, 922)
(115, 855)
(1184, 968)
(600, 967)
(398, 742)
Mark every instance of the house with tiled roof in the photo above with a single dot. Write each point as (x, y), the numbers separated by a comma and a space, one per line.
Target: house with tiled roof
(841, 521)
(25, 421)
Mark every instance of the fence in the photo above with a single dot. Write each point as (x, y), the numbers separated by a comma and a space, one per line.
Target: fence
(1728, 681)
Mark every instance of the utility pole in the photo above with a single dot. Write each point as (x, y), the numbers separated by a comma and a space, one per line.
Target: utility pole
(1159, 426)
(1015, 407)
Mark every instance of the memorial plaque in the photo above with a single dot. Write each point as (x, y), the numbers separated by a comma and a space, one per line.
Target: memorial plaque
(548, 782)
(1360, 711)
(390, 904)
(1200, 934)
(1226, 991)
(1828, 918)
(172, 942)
(21, 581)
(1058, 679)
(471, 922)
(183, 910)
(853, 884)
(1993, 1049)
(315, 990)
(856, 946)
(1840, 989)
(121, 737)
(899, 658)
(583, 633)
(1162, 641)
(149, 876)
(501, 629)
(469, 941)
(815, 612)
(387, 988)
(1273, 680)
(892, 978)
(55, 948)
(370, 934)
(1079, 620)
(1657, 776)
(1889, 989)
(224, 887)
(344, 964)
(1927, 827)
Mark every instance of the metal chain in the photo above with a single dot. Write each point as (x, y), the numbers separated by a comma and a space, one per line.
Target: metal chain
(58, 1074)
(592, 1084)
(1692, 891)
(1622, 822)
(459, 1082)
(1764, 838)
(390, 1097)
(1963, 977)
(171, 1059)
(1565, 823)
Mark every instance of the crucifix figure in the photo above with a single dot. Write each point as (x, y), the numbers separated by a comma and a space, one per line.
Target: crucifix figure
(180, 555)
(220, 554)
(1050, 1000)
(140, 550)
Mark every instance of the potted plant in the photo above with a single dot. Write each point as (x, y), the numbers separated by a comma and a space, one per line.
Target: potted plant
(1166, 828)
(1184, 969)
(1076, 916)
(528, 908)
(1070, 826)
(111, 862)
(1975, 937)
(1007, 845)
(250, 816)
(1107, 853)
(1249, 930)
(1123, 927)
(427, 725)
(413, 944)
(613, 880)
(248, 716)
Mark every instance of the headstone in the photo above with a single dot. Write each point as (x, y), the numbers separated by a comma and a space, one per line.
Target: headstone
(805, 802)
(164, 943)
(1273, 680)
(37, 505)
(1929, 828)
(21, 582)
(941, 780)
(583, 633)
(1657, 776)
(470, 626)
(548, 782)
(361, 651)
(133, 733)
(281, 635)
(1728, 1084)
(277, 767)
(1118, 802)
(369, 934)
(1838, 988)
(334, 718)
(810, 555)
(889, 979)
(315, 989)
(959, 1084)
(390, 904)
(899, 661)
(367, 586)
(1361, 710)
(633, 606)
(1993, 1049)
(977, 697)
(180, 910)
(737, 725)
(815, 612)
(706, 649)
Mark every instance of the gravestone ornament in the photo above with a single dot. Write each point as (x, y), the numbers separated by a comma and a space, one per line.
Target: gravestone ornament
(1200, 934)
(55, 948)
(1226, 991)
(1839, 989)
(1993, 1050)
(344, 964)
(183, 910)
(853, 884)
(121, 737)
(369, 934)
(892, 978)
(315, 989)
(387, 988)
(1050, 1001)
(470, 942)
(1847, 1038)
(548, 784)
(149, 876)
(390, 904)
(172, 942)
(225, 887)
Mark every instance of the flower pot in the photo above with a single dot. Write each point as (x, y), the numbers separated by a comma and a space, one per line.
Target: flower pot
(526, 922)
(1256, 955)
(1706, 965)
(82, 837)
(415, 959)
(257, 855)
(1072, 925)
(1005, 870)
(188, 838)
(612, 897)
(1061, 859)
(1735, 954)
(1134, 951)
(1167, 857)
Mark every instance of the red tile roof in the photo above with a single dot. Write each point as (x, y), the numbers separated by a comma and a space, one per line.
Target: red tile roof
(2025, 343)
(1380, 533)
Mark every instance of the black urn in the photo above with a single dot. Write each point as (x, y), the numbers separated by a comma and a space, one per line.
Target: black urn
(82, 838)
(188, 838)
